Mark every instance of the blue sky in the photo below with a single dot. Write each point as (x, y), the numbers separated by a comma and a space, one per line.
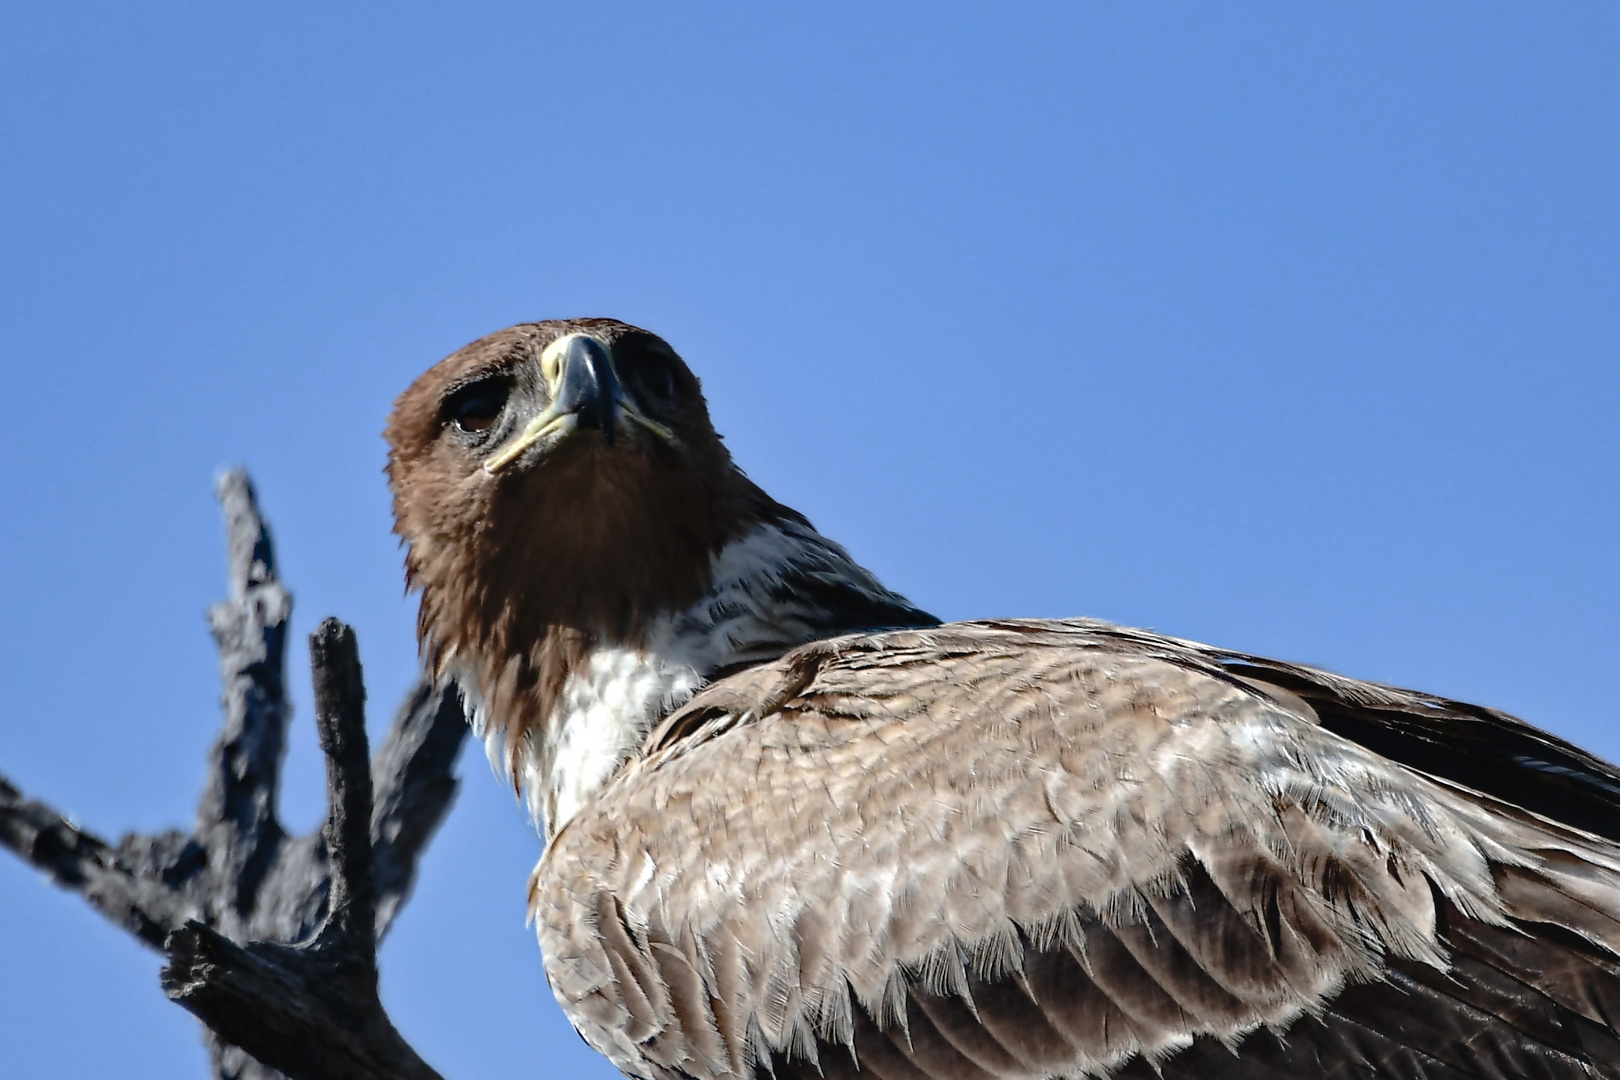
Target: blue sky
(1288, 327)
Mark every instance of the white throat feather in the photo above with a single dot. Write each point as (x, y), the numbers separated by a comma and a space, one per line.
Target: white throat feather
(776, 587)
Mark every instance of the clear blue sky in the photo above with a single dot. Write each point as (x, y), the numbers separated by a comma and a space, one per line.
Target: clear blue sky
(1288, 327)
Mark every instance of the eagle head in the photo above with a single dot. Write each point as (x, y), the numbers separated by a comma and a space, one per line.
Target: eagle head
(557, 485)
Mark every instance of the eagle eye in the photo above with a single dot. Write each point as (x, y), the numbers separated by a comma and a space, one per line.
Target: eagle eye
(654, 374)
(659, 380)
(475, 407)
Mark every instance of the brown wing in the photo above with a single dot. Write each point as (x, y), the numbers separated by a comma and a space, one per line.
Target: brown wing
(1066, 849)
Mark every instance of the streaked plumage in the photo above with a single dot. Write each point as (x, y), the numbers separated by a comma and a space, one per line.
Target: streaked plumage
(799, 828)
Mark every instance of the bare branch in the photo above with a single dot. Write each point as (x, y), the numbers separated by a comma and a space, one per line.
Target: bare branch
(414, 774)
(340, 716)
(236, 818)
(125, 884)
(290, 1007)
(310, 1010)
(229, 901)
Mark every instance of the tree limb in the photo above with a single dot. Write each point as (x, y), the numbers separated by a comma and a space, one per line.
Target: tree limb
(311, 1010)
(110, 879)
(233, 898)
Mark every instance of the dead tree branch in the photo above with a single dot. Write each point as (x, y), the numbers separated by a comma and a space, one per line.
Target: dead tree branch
(311, 1010)
(271, 938)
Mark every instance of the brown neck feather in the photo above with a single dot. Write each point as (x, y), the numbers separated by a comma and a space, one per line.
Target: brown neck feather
(543, 583)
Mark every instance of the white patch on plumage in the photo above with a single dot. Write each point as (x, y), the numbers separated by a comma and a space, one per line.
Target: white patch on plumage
(603, 717)
(606, 710)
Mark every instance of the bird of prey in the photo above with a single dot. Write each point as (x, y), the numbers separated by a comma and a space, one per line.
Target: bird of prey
(797, 827)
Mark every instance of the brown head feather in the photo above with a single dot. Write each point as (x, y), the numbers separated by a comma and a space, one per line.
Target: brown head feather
(524, 569)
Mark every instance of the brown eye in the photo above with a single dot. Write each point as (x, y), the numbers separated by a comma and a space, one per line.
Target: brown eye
(476, 406)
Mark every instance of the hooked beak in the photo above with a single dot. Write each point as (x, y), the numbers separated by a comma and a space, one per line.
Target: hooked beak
(585, 394)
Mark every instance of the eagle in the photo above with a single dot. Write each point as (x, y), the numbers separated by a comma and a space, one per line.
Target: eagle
(797, 827)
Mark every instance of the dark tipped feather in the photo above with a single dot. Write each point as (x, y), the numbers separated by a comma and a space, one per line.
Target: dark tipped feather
(1479, 748)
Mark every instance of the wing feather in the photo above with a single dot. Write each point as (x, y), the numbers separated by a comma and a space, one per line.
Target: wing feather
(1065, 849)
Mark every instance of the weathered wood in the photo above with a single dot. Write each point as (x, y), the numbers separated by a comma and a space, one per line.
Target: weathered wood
(286, 1004)
(235, 898)
(311, 1010)
(236, 816)
(125, 884)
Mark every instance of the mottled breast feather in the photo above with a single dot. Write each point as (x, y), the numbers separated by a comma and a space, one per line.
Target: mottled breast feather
(1043, 849)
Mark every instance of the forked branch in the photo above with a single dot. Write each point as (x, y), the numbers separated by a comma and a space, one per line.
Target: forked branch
(272, 939)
